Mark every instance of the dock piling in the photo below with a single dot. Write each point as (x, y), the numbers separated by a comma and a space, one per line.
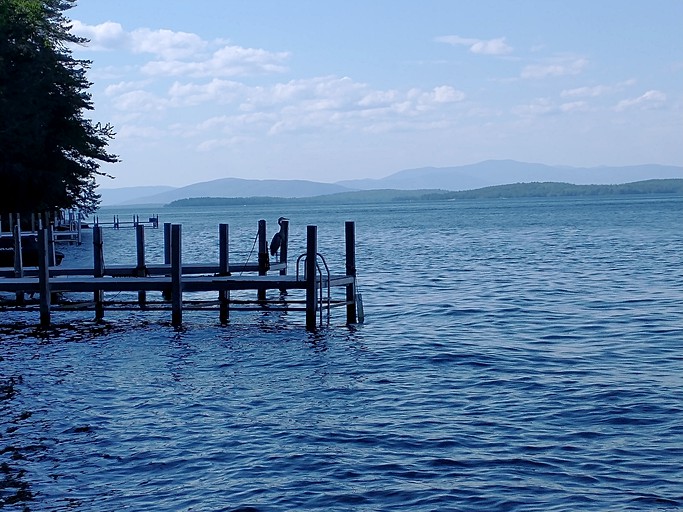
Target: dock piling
(283, 249)
(350, 236)
(98, 270)
(311, 255)
(176, 280)
(224, 270)
(18, 262)
(166, 294)
(51, 244)
(263, 261)
(44, 277)
(141, 269)
(176, 276)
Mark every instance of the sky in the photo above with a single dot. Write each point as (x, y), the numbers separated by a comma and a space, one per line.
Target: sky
(344, 89)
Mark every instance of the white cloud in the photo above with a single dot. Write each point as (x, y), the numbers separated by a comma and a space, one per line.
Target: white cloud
(224, 62)
(216, 91)
(546, 107)
(596, 90)
(182, 53)
(542, 106)
(496, 46)
(574, 106)
(183, 70)
(139, 132)
(166, 44)
(213, 144)
(327, 103)
(378, 99)
(139, 101)
(650, 100)
(334, 103)
(587, 92)
(559, 67)
(105, 36)
(122, 87)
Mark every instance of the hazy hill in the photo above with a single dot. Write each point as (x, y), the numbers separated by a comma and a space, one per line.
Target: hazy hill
(554, 189)
(515, 190)
(501, 172)
(125, 195)
(465, 177)
(237, 187)
(356, 197)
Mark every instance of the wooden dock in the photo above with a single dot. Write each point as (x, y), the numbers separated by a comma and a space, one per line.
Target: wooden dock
(173, 278)
(63, 225)
(117, 223)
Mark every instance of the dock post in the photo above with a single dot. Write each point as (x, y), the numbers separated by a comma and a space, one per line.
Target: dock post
(263, 262)
(224, 270)
(44, 278)
(18, 261)
(98, 270)
(176, 276)
(51, 244)
(350, 236)
(283, 249)
(311, 255)
(141, 269)
(167, 243)
(166, 294)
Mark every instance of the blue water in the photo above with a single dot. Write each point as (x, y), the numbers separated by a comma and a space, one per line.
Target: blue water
(516, 355)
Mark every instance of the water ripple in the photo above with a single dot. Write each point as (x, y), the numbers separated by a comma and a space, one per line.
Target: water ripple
(529, 362)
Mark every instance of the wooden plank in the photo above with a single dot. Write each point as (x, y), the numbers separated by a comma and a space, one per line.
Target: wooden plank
(193, 284)
(153, 269)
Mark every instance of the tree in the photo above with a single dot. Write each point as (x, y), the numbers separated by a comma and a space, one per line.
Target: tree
(50, 154)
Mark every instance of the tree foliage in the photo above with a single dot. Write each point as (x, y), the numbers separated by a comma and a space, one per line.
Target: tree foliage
(50, 154)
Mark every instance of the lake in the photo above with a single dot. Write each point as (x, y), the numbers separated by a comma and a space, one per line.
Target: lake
(516, 355)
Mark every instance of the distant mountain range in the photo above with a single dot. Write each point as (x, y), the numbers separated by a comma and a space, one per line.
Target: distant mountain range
(536, 189)
(465, 177)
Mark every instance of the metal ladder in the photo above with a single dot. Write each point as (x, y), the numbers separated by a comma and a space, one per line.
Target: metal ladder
(324, 302)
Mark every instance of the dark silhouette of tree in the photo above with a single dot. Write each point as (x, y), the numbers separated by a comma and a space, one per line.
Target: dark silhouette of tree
(50, 154)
